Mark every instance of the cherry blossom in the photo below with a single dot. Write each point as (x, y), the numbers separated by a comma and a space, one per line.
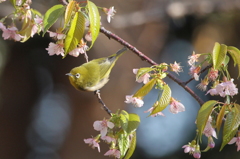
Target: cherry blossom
(194, 72)
(92, 142)
(79, 50)
(176, 107)
(213, 74)
(203, 85)
(154, 115)
(142, 79)
(75, 52)
(197, 152)
(113, 152)
(137, 102)
(193, 58)
(102, 126)
(59, 36)
(11, 33)
(209, 130)
(38, 20)
(237, 141)
(211, 143)
(83, 47)
(55, 49)
(108, 139)
(225, 88)
(110, 13)
(2, 26)
(176, 67)
(88, 36)
(188, 148)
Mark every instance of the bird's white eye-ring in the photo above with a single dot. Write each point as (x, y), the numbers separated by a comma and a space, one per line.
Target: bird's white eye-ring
(77, 75)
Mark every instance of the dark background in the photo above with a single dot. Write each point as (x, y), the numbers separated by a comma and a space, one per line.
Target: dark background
(43, 117)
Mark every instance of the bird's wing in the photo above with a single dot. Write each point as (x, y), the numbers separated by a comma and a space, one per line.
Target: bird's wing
(105, 67)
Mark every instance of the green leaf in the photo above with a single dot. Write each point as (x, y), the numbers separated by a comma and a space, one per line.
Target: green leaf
(26, 29)
(228, 130)
(144, 90)
(216, 50)
(235, 54)
(143, 71)
(123, 143)
(219, 54)
(129, 122)
(133, 123)
(203, 115)
(220, 118)
(164, 100)
(226, 61)
(124, 118)
(132, 146)
(71, 8)
(13, 3)
(75, 32)
(51, 16)
(94, 19)
(236, 121)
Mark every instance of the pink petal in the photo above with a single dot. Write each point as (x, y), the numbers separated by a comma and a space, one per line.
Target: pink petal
(233, 140)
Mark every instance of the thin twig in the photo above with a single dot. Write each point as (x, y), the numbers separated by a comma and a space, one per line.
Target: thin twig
(150, 61)
(104, 107)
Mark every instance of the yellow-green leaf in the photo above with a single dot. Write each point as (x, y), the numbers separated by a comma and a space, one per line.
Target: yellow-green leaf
(13, 3)
(164, 100)
(236, 116)
(51, 16)
(235, 54)
(94, 19)
(71, 8)
(220, 118)
(26, 29)
(228, 131)
(144, 90)
(75, 32)
(123, 143)
(124, 118)
(219, 54)
(132, 146)
(133, 123)
(203, 115)
(143, 71)
(216, 50)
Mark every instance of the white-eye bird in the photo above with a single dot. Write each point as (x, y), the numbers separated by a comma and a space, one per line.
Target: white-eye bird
(93, 75)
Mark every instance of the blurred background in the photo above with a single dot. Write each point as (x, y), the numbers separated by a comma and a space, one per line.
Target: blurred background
(43, 117)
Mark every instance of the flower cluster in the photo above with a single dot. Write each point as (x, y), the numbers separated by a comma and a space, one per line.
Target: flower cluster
(32, 23)
(193, 149)
(226, 88)
(194, 69)
(104, 126)
(175, 106)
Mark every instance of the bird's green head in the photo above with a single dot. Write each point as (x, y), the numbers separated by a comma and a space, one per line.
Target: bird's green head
(76, 77)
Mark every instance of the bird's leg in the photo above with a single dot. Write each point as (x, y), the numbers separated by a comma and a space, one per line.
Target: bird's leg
(104, 107)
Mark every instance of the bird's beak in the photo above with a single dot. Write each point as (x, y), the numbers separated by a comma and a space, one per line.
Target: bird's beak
(69, 74)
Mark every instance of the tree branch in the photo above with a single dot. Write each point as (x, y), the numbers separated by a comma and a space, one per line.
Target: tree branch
(150, 61)
(97, 92)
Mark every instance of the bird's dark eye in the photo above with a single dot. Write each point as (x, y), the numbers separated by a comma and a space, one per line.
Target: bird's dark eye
(77, 75)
